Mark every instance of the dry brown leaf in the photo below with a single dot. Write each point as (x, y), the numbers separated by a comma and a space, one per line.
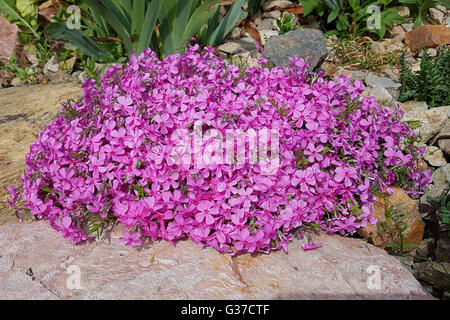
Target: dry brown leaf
(250, 28)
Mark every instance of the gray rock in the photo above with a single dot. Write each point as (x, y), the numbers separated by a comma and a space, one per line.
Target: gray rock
(444, 145)
(279, 4)
(276, 14)
(443, 248)
(432, 190)
(355, 74)
(381, 95)
(342, 268)
(16, 82)
(408, 26)
(432, 121)
(441, 177)
(237, 46)
(52, 65)
(425, 249)
(267, 24)
(387, 83)
(437, 15)
(435, 274)
(308, 44)
(403, 11)
(435, 157)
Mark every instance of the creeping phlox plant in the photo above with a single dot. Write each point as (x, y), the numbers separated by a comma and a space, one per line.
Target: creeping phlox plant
(110, 157)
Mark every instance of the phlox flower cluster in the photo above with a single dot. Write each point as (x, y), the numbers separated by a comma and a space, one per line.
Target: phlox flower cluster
(107, 158)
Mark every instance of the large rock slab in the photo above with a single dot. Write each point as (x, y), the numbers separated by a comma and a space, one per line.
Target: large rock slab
(308, 44)
(37, 263)
(24, 111)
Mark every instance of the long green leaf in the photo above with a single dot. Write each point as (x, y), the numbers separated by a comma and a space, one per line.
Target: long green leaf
(182, 14)
(199, 17)
(58, 30)
(137, 20)
(151, 16)
(229, 22)
(7, 10)
(115, 19)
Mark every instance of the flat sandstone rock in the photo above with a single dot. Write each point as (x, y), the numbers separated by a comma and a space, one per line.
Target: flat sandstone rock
(37, 263)
(23, 112)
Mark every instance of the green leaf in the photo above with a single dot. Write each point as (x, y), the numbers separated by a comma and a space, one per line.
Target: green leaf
(58, 30)
(333, 15)
(137, 18)
(393, 245)
(354, 4)
(150, 19)
(309, 6)
(7, 10)
(199, 17)
(410, 245)
(115, 18)
(234, 14)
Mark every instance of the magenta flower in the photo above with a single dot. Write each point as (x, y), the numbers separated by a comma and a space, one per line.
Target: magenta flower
(311, 246)
(131, 239)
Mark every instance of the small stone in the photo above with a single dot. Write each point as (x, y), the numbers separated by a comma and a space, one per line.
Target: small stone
(437, 15)
(426, 248)
(435, 274)
(409, 26)
(52, 65)
(415, 67)
(447, 22)
(237, 46)
(443, 248)
(16, 82)
(235, 34)
(307, 44)
(402, 11)
(392, 87)
(67, 66)
(385, 82)
(276, 14)
(441, 177)
(257, 20)
(360, 74)
(435, 157)
(444, 145)
(397, 33)
(277, 4)
(426, 207)
(392, 73)
(82, 76)
(380, 94)
(329, 69)
(267, 24)
(415, 226)
(430, 36)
